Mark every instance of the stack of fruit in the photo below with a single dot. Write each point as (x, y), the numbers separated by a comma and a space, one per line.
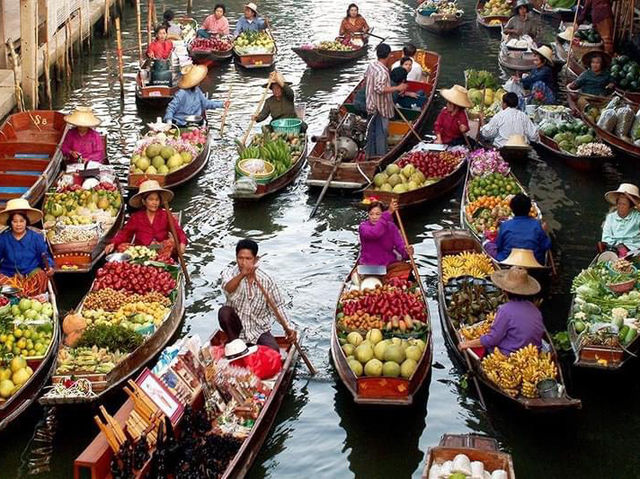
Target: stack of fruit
(493, 184)
(281, 150)
(625, 72)
(483, 93)
(254, 43)
(497, 8)
(211, 44)
(478, 265)
(13, 375)
(584, 35)
(296, 142)
(442, 8)
(472, 302)
(87, 360)
(161, 154)
(335, 46)
(196, 136)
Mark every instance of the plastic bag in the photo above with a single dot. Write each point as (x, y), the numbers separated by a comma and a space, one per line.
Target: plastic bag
(514, 87)
(614, 103)
(264, 363)
(635, 128)
(624, 120)
(607, 120)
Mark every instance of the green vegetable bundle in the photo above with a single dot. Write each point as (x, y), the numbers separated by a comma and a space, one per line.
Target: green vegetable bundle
(480, 79)
(110, 336)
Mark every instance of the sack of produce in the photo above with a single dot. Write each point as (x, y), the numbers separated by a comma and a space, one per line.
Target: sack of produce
(614, 103)
(624, 120)
(635, 128)
(607, 120)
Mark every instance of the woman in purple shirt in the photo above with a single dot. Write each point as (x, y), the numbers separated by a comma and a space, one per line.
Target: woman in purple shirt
(518, 322)
(83, 142)
(380, 241)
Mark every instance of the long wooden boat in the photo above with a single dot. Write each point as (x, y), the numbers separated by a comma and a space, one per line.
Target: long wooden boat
(494, 22)
(457, 241)
(17, 404)
(542, 8)
(211, 57)
(177, 177)
(276, 184)
(30, 156)
(152, 96)
(476, 448)
(382, 391)
(260, 60)
(437, 23)
(104, 384)
(356, 174)
(95, 459)
(580, 163)
(516, 60)
(317, 58)
(423, 194)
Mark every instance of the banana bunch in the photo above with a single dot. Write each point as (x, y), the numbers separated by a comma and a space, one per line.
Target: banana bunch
(478, 265)
(249, 152)
(478, 329)
(278, 153)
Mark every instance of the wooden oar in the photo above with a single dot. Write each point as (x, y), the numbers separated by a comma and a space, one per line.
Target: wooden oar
(406, 245)
(172, 228)
(285, 326)
(575, 20)
(472, 373)
(407, 122)
(258, 110)
(326, 186)
(224, 115)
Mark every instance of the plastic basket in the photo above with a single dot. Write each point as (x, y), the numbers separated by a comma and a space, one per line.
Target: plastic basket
(286, 125)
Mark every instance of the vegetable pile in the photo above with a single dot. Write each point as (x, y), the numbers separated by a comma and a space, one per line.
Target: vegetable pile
(570, 133)
(343, 45)
(442, 8)
(625, 72)
(211, 44)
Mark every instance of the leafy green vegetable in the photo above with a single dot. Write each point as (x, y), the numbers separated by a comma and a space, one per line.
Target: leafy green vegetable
(561, 341)
(111, 336)
(480, 79)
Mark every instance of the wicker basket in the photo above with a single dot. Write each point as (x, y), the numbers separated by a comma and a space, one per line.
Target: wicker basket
(623, 287)
(259, 178)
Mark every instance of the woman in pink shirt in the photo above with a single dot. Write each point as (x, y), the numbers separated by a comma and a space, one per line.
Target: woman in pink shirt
(83, 143)
(380, 241)
(216, 24)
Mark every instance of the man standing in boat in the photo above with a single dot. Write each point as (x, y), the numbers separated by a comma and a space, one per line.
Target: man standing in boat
(246, 313)
(379, 93)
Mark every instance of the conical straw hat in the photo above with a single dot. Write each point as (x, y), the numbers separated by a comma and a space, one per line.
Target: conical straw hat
(83, 116)
(458, 95)
(516, 280)
(20, 205)
(193, 76)
(146, 187)
(522, 257)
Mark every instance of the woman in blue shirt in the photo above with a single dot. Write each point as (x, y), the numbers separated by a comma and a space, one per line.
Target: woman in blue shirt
(522, 231)
(621, 229)
(251, 22)
(22, 250)
(540, 81)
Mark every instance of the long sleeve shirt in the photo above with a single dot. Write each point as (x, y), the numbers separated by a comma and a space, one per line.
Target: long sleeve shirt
(359, 26)
(279, 108)
(592, 83)
(448, 125)
(143, 232)
(507, 122)
(529, 26)
(522, 232)
(90, 146)
(379, 242)
(516, 325)
(250, 304)
(543, 74)
(23, 255)
(160, 50)
(599, 9)
(188, 102)
(617, 230)
(216, 25)
(376, 80)
(245, 25)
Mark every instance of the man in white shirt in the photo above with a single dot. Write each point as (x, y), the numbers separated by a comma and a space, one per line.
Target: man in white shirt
(415, 74)
(508, 122)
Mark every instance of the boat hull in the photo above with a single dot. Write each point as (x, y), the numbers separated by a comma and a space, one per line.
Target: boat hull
(439, 24)
(321, 59)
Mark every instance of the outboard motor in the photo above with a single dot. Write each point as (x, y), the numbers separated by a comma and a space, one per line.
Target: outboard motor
(161, 73)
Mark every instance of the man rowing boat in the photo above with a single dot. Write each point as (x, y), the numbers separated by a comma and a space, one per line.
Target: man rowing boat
(246, 313)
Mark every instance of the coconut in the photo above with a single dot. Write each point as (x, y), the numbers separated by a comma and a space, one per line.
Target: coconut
(380, 179)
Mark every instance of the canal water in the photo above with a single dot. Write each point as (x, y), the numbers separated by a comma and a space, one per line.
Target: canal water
(319, 432)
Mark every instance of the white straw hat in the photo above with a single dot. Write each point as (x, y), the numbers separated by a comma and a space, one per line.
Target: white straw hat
(147, 187)
(237, 349)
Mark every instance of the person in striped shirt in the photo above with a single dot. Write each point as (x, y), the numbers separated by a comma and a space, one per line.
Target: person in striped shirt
(246, 313)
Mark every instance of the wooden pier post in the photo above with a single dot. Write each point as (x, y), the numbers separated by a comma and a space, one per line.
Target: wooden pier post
(29, 51)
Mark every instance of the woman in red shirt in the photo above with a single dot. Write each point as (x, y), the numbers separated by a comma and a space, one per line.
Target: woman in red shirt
(151, 224)
(160, 48)
(452, 122)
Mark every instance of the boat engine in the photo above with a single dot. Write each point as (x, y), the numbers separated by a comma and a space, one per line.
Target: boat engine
(347, 133)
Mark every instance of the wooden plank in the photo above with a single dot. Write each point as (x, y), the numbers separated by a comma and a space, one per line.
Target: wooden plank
(29, 51)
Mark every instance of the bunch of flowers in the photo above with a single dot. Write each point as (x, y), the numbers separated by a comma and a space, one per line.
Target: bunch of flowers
(483, 162)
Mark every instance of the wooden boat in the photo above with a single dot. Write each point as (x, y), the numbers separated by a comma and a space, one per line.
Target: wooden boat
(457, 241)
(494, 23)
(177, 177)
(438, 23)
(476, 448)
(12, 408)
(30, 156)
(104, 384)
(152, 96)
(356, 174)
(211, 57)
(542, 8)
(317, 58)
(508, 153)
(276, 184)
(421, 195)
(581, 163)
(262, 60)
(381, 391)
(94, 460)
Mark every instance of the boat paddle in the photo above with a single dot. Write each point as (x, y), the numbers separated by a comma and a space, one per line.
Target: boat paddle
(406, 245)
(172, 228)
(286, 327)
(258, 110)
(326, 186)
(574, 24)
(375, 36)
(407, 122)
(224, 115)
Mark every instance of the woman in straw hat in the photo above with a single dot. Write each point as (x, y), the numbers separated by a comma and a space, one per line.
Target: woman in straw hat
(522, 22)
(381, 243)
(149, 225)
(190, 100)
(83, 143)
(540, 81)
(250, 22)
(281, 104)
(22, 250)
(518, 322)
(621, 229)
(595, 80)
(452, 122)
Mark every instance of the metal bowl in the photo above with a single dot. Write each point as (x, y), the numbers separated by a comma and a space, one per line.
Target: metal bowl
(121, 257)
(193, 118)
(8, 290)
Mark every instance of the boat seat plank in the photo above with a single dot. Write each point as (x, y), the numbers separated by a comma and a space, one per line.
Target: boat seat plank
(7, 164)
(18, 190)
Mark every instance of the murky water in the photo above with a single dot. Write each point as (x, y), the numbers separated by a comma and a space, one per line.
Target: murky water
(319, 430)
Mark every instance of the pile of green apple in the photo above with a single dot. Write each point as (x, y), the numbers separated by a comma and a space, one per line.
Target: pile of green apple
(27, 330)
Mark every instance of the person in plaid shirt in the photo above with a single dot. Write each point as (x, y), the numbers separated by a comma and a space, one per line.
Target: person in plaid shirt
(246, 314)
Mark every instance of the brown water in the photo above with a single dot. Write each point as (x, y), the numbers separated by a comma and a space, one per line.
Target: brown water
(319, 431)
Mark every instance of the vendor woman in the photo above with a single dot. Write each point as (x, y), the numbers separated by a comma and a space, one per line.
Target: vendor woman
(353, 24)
(621, 229)
(22, 250)
(216, 23)
(540, 80)
(281, 104)
(595, 80)
(250, 22)
(150, 224)
(161, 47)
(380, 241)
(83, 143)
(522, 22)
(518, 322)
(452, 122)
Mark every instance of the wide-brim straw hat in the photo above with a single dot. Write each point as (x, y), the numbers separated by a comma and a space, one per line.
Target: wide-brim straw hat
(521, 3)
(587, 57)
(515, 280)
(567, 35)
(237, 349)
(20, 205)
(522, 257)
(629, 190)
(147, 187)
(516, 141)
(83, 116)
(252, 6)
(458, 95)
(545, 52)
(193, 76)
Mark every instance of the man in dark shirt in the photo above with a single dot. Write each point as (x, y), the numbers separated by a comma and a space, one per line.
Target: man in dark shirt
(281, 103)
